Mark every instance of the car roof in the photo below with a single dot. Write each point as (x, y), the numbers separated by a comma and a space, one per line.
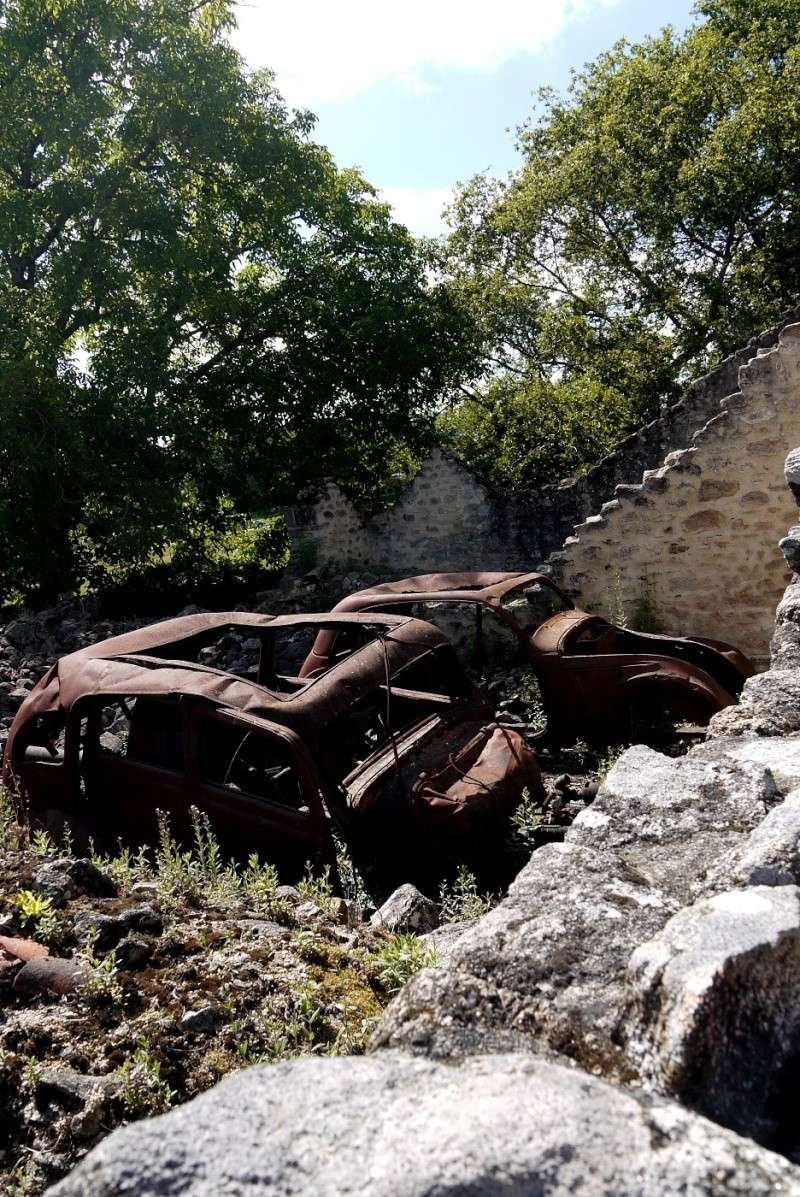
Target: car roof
(135, 663)
(465, 587)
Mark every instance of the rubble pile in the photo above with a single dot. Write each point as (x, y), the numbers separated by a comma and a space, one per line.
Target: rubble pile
(120, 998)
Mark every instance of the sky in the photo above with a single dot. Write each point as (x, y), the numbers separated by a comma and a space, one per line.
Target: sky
(424, 95)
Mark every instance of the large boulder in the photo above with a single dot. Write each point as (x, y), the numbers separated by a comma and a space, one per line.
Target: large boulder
(670, 819)
(714, 1015)
(395, 1126)
(544, 970)
(778, 755)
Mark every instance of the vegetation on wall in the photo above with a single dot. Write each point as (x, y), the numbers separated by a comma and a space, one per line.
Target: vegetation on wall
(653, 226)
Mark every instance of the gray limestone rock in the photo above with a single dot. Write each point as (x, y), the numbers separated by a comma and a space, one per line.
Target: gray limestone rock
(789, 545)
(670, 819)
(714, 1013)
(770, 855)
(542, 971)
(202, 1021)
(769, 706)
(406, 910)
(65, 878)
(778, 755)
(444, 939)
(785, 647)
(546, 969)
(395, 1126)
(791, 472)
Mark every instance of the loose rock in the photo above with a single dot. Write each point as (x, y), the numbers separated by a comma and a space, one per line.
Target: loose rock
(407, 910)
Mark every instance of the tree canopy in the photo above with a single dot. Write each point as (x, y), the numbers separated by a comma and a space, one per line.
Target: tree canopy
(198, 311)
(652, 227)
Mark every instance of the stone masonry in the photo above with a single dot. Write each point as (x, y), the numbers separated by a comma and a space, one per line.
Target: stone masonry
(697, 538)
(446, 519)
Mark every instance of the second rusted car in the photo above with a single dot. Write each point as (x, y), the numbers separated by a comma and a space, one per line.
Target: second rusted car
(597, 680)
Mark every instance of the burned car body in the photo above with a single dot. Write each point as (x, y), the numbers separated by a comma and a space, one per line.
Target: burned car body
(137, 724)
(595, 677)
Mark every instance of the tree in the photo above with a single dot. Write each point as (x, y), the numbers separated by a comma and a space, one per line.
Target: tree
(200, 313)
(654, 224)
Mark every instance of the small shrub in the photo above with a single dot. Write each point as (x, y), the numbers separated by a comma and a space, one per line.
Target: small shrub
(531, 695)
(609, 759)
(37, 913)
(100, 973)
(354, 887)
(31, 1074)
(316, 887)
(399, 960)
(144, 1091)
(459, 899)
(12, 830)
(41, 843)
(646, 613)
(525, 822)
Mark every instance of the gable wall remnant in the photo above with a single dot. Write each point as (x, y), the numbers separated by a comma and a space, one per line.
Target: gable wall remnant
(696, 539)
(447, 519)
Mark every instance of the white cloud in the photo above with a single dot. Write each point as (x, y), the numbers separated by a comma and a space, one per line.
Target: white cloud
(419, 208)
(335, 49)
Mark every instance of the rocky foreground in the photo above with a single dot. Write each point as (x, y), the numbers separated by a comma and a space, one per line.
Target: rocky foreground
(626, 1021)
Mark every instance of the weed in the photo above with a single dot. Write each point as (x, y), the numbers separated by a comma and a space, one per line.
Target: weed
(459, 899)
(37, 913)
(259, 883)
(354, 887)
(101, 982)
(352, 1040)
(525, 823)
(11, 831)
(24, 1181)
(144, 1091)
(174, 868)
(41, 843)
(609, 759)
(31, 1075)
(67, 843)
(646, 613)
(290, 1025)
(615, 602)
(531, 695)
(317, 888)
(124, 867)
(399, 959)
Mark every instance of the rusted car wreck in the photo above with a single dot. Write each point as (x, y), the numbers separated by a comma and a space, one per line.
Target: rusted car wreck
(597, 680)
(388, 746)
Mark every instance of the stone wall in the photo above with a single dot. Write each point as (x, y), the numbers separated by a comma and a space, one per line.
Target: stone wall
(446, 519)
(697, 537)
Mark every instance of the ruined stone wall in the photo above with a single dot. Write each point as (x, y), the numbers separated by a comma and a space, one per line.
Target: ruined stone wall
(446, 519)
(699, 534)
